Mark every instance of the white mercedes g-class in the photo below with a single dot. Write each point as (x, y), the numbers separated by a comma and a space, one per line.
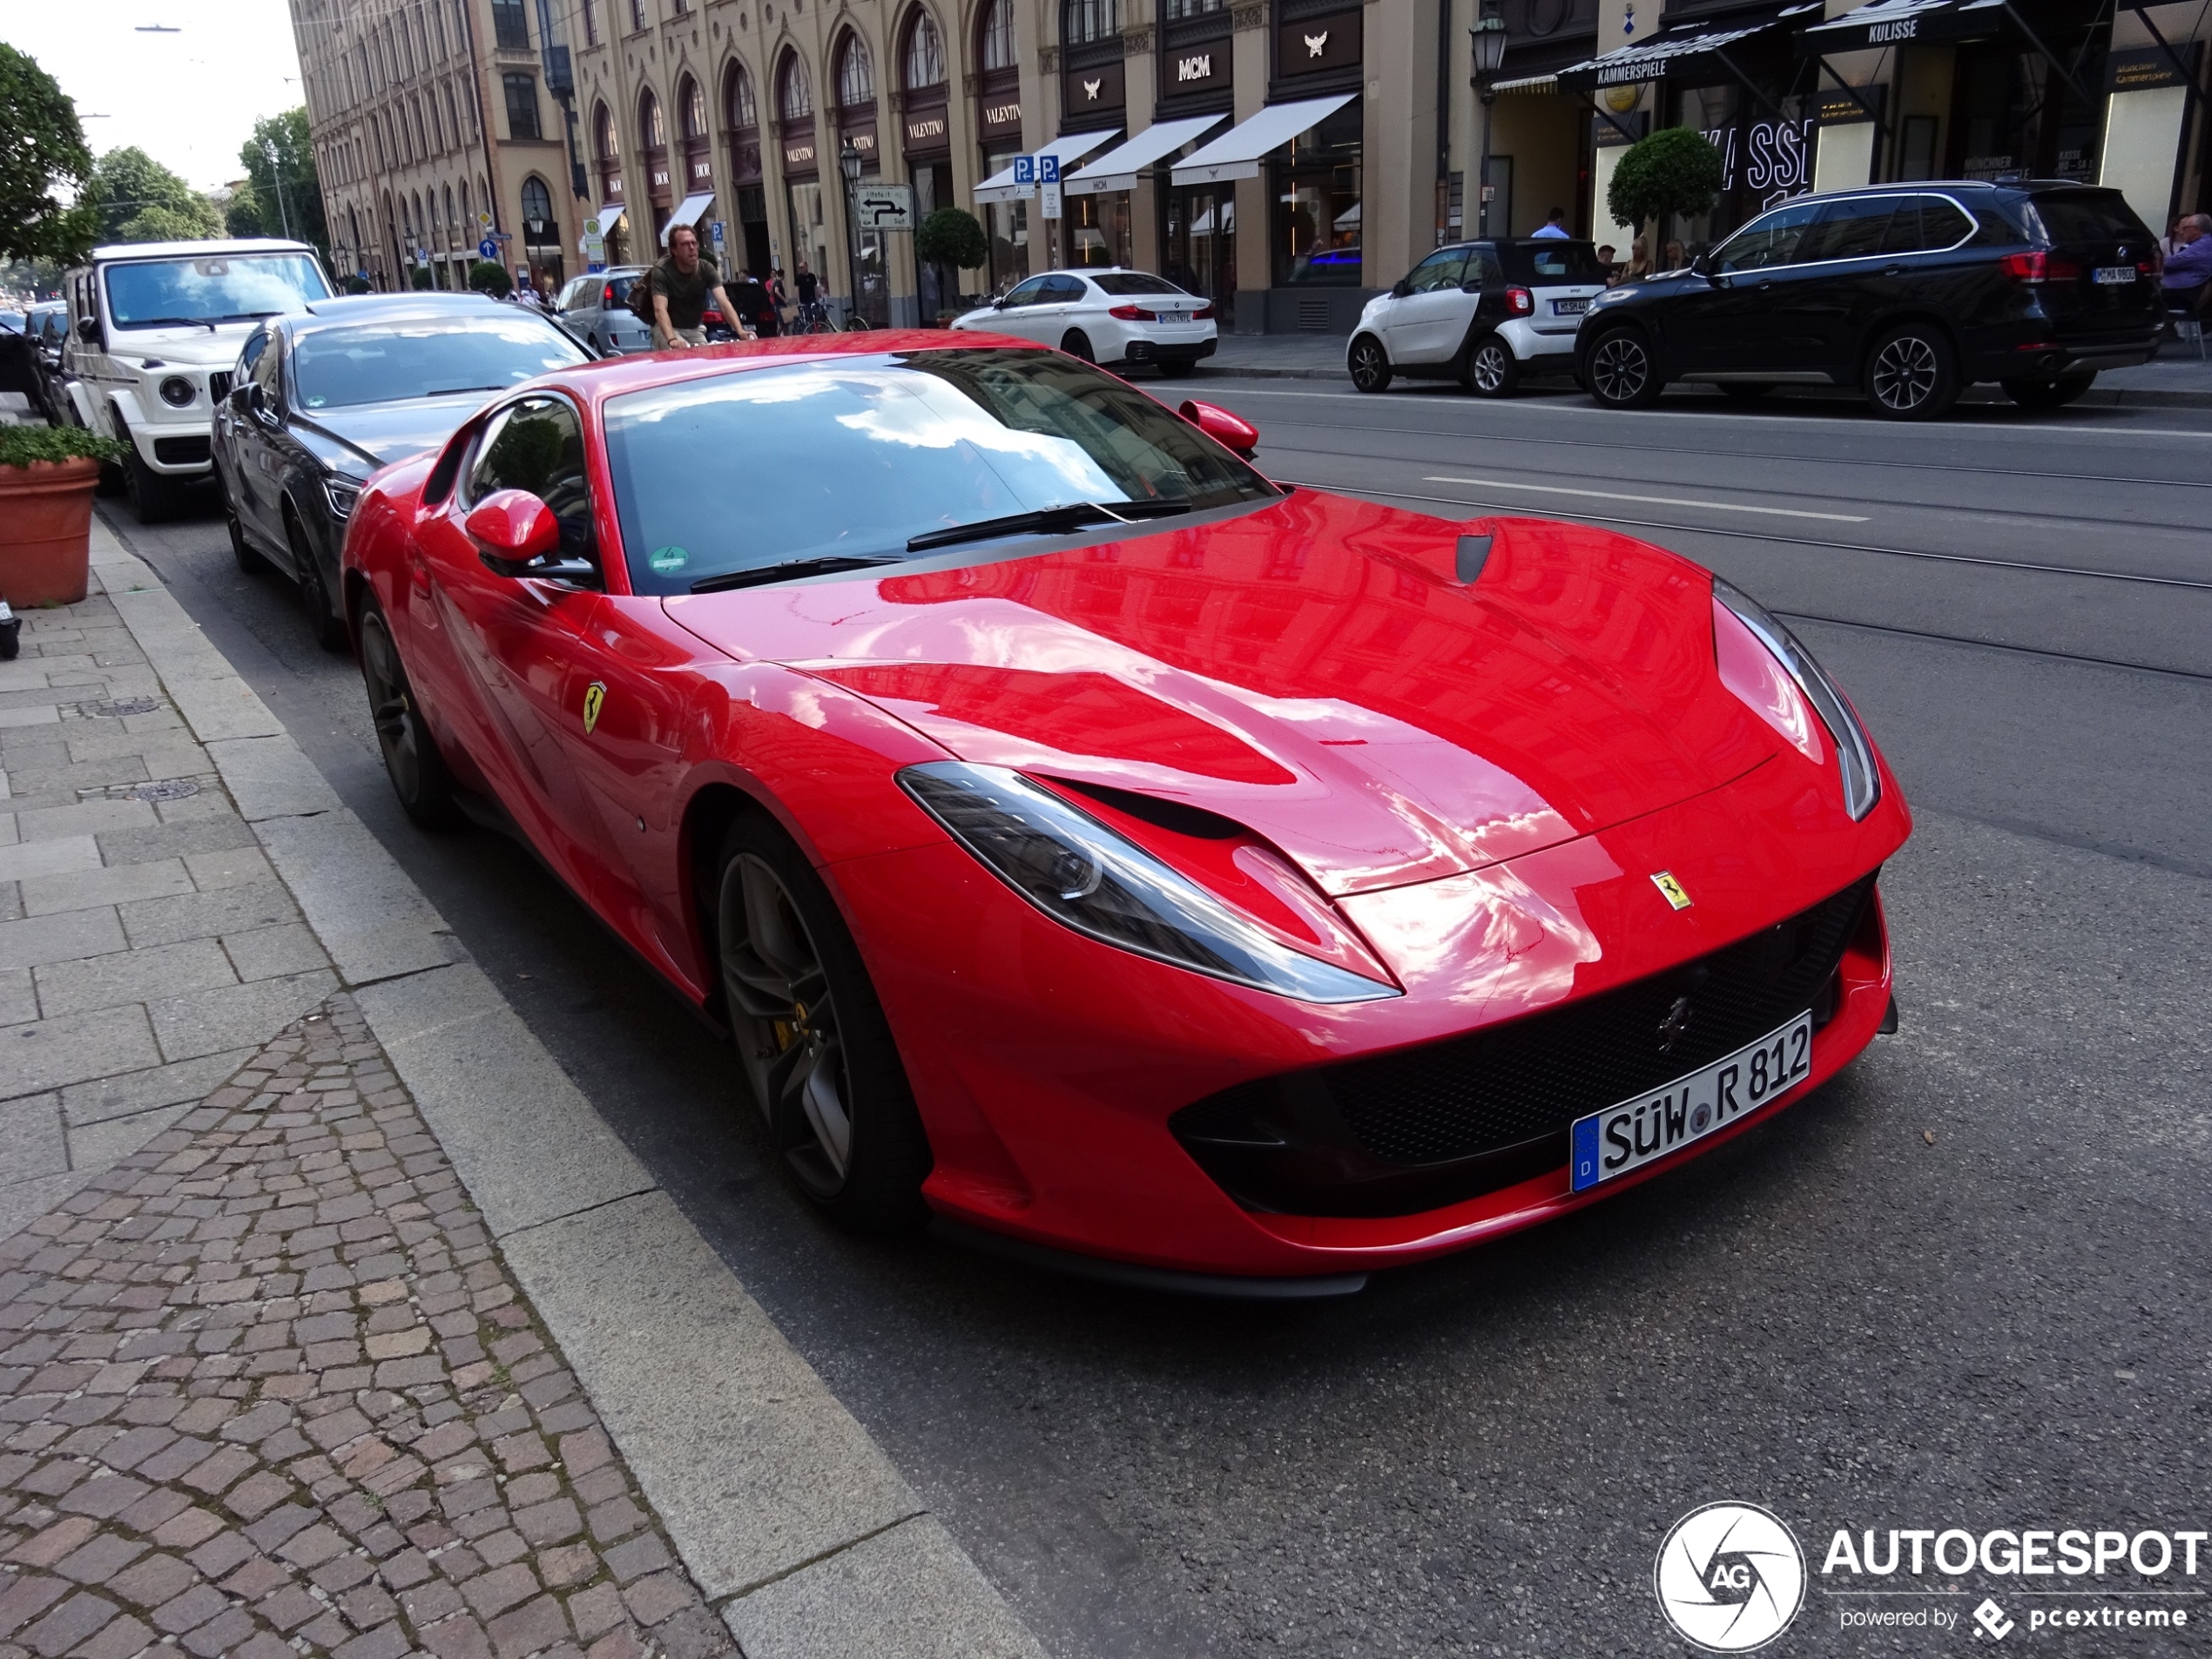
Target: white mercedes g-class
(154, 331)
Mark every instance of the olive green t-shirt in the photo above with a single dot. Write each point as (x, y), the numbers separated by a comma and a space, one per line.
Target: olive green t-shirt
(686, 295)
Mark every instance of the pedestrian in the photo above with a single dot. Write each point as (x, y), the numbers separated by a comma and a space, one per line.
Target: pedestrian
(2188, 268)
(753, 304)
(1677, 258)
(1605, 259)
(1554, 224)
(803, 279)
(680, 286)
(776, 297)
(1639, 265)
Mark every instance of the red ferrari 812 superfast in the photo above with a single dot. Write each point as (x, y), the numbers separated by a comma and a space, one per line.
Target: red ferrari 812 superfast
(1093, 845)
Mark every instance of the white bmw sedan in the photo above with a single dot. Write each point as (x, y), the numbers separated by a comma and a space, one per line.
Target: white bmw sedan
(1113, 316)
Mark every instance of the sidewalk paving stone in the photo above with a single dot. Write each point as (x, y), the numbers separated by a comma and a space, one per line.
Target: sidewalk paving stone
(265, 1389)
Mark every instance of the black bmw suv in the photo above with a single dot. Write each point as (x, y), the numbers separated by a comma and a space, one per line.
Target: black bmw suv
(1908, 292)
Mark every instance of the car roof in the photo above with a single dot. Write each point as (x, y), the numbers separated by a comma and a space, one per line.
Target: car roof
(205, 250)
(609, 377)
(346, 304)
(318, 317)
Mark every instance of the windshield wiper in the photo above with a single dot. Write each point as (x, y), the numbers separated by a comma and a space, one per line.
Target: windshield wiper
(1073, 515)
(455, 391)
(168, 322)
(785, 570)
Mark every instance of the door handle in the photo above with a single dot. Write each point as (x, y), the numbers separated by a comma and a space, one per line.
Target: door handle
(1765, 285)
(1892, 270)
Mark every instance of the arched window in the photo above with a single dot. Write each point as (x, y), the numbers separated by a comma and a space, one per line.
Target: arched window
(603, 133)
(1088, 20)
(650, 131)
(855, 72)
(794, 97)
(414, 219)
(693, 103)
(738, 108)
(999, 49)
(453, 225)
(925, 59)
(537, 201)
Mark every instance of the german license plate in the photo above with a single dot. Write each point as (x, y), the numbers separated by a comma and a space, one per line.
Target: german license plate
(2114, 273)
(1569, 308)
(1643, 1129)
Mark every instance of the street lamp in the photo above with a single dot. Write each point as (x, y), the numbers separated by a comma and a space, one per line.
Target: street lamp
(1487, 36)
(849, 165)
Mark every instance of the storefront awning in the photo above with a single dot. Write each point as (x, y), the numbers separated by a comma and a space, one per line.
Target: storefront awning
(1119, 167)
(687, 212)
(1000, 187)
(1690, 55)
(610, 216)
(1527, 84)
(1902, 23)
(1237, 154)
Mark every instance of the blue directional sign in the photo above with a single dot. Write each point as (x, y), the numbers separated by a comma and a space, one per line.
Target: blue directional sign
(1048, 170)
(1025, 170)
(488, 249)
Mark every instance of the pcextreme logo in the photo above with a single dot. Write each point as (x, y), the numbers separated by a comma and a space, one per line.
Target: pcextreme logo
(1729, 1577)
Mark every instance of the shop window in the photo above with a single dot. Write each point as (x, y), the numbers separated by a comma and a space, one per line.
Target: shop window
(1317, 205)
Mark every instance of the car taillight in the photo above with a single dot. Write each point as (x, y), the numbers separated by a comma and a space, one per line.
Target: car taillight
(1203, 314)
(607, 295)
(2038, 267)
(1134, 314)
(1520, 301)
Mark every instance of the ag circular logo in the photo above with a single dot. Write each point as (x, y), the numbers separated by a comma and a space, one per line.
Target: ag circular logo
(1729, 1577)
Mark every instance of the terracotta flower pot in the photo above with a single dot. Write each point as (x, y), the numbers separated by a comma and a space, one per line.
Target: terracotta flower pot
(46, 531)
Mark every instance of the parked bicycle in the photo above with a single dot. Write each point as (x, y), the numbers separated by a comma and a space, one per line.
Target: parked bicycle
(814, 319)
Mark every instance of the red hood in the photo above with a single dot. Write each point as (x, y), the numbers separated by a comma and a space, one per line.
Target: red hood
(1314, 670)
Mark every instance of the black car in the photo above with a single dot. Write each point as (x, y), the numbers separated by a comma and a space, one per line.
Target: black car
(1908, 292)
(323, 397)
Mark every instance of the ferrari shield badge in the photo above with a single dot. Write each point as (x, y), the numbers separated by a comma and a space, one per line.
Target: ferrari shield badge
(1670, 889)
(595, 695)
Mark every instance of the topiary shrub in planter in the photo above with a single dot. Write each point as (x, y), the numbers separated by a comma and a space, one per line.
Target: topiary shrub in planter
(488, 276)
(1673, 171)
(47, 476)
(952, 236)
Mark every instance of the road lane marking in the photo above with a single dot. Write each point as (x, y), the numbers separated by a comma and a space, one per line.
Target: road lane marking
(1651, 501)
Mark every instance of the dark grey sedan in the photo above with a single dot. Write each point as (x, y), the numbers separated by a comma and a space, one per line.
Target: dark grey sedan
(323, 398)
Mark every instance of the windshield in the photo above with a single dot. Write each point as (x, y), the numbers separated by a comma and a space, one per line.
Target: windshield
(406, 357)
(1124, 282)
(854, 456)
(230, 288)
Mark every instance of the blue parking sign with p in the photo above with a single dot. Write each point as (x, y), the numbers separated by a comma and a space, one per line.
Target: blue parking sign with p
(1025, 170)
(1048, 170)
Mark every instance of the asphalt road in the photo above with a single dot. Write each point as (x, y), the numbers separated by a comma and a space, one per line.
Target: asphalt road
(1963, 1286)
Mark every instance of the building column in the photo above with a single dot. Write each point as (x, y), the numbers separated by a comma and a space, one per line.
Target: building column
(1255, 249)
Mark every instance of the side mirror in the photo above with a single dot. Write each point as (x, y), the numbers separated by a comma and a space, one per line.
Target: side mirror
(517, 534)
(1229, 431)
(88, 330)
(1705, 265)
(1402, 289)
(257, 403)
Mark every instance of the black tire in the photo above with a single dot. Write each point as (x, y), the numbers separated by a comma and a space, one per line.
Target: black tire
(1493, 370)
(1744, 391)
(324, 621)
(1369, 364)
(1622, 371)
(2054, 393)
(155, 497)
(816, 1048)
(418, 772)
(1077, 343)
(251, 560)
(1177, 368)
(1912, 373)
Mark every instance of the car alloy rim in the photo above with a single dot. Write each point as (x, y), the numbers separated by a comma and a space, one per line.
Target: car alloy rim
(391, 707)
(1366, 362)
(793, 1051)
(1904, 373)
(1619, 368)
(1489, 368)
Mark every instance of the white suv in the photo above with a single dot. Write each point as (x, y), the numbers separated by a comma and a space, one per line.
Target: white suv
(1111, 316)
(1484, 313)
(154, 330)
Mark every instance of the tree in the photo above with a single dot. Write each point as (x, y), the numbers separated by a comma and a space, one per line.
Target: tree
(137, 199)
(282, 193)
(1673, 171)
(42, 152)
(488, 276)
(951, 236)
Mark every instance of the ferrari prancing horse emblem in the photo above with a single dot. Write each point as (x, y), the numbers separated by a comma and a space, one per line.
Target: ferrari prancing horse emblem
(1672, 890)
(595, 695)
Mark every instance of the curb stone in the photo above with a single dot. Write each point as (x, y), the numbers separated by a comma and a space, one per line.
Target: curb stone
(802, 1534)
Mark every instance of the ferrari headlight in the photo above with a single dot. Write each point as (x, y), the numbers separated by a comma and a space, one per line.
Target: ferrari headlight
(342, 494)
(1083, 874)
(1854, 752)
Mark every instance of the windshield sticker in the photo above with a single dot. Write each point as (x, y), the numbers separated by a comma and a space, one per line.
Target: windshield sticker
(667, 561)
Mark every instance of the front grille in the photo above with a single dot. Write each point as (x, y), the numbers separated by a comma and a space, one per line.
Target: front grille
(193, 451)
(1446, 1121)
(218, 386)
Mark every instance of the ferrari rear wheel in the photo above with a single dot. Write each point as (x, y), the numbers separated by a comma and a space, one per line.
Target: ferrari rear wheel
(816, 1047)
(411, 758)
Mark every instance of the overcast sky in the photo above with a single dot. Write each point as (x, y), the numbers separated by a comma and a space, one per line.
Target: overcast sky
(189, 99)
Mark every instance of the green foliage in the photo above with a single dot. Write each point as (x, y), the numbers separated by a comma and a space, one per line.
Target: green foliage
(488, 276)
(281, 186)
(356, 284)
(242, 215)
(422, 278)
(42, 147)
(1673, 171)
(21, 445)
(137, 199)
(952, 236)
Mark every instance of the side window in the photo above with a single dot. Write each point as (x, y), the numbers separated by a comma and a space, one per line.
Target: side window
(1770, 240)
(1063, 290)
(1440, 270)
(1941, 224)
(538, 445)
(1849, 230)
(256, 343)
(264, 373)
(1484, 269)
(1026, 293)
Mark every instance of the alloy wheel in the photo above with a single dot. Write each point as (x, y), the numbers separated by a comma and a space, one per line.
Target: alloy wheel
(1492, 368)
(391, 708)
(1370, 366)
(1620, 368)
(1906, 371)
(789, 1037)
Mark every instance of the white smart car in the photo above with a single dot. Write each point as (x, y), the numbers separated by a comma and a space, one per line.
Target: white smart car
(1114, 316)
(1483, 314)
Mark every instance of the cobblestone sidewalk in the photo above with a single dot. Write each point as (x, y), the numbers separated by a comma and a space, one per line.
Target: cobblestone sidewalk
(266, 1388)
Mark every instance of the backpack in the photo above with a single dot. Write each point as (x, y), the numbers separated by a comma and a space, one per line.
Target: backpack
(640, 298)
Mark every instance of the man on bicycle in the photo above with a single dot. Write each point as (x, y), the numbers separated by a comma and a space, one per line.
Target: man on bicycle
(680, 286)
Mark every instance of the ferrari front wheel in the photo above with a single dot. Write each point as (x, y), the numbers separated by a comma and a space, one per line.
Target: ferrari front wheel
(813, 1040)
(411, 758)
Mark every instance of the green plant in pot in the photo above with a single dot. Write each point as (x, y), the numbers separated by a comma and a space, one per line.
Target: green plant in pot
(47, 476)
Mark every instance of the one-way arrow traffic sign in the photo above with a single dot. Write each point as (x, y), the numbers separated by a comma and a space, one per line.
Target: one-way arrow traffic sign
(886, 207)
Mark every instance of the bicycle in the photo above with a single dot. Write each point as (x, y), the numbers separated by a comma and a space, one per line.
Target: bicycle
(814, 319)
